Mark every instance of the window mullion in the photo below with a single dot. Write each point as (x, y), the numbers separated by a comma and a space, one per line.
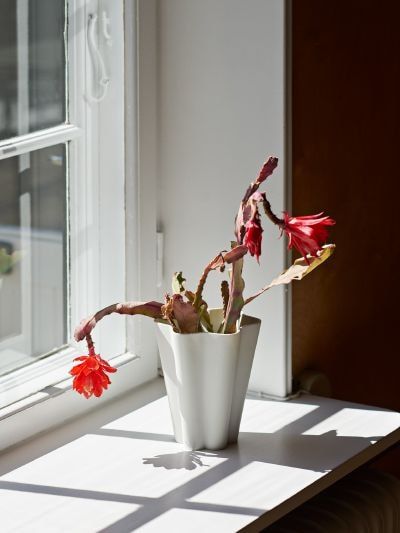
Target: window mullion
(35, 141)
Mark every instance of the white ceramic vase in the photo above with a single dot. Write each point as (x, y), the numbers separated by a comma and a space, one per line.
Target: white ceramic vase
(206, 376)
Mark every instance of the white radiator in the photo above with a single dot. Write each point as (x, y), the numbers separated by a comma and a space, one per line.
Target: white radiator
(365, 501)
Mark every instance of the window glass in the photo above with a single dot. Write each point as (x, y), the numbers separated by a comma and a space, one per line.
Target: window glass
(33, 249)
(32, 66)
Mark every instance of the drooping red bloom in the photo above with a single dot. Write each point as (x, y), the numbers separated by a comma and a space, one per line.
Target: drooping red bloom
(253, 236)
(90, 375)
(308, 233)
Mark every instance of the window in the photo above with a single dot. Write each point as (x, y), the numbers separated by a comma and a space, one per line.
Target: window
(162, 103)
(63, 224)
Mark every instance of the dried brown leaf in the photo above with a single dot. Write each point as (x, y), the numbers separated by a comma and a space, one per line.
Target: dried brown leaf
(299, 270)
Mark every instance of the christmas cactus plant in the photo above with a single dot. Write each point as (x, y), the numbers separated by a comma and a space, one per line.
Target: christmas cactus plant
(186, 310)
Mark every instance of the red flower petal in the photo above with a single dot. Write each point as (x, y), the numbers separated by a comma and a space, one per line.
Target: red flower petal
(253, 237)
(307, 233)
(90, 377)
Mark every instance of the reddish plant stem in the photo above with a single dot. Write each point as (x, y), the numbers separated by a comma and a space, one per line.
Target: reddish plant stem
(273, 218)
(198, 297)
(225, 295)
(218, 262)
(267, 169)
(150, 309)
(90, 344)
(240, 220)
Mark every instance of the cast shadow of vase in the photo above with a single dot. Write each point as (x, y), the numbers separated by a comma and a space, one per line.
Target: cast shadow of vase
(186, 460)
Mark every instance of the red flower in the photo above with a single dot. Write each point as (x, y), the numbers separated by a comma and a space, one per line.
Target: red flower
(253, 236)
(90, 375)
(307, 234)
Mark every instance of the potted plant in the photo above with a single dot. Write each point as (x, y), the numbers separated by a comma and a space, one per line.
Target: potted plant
(207, 354)
(8, 259)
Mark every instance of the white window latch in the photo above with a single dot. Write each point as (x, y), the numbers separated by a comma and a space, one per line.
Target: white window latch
(99, 65)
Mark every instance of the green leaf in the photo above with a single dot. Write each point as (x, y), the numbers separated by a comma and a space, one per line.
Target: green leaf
(205, 317)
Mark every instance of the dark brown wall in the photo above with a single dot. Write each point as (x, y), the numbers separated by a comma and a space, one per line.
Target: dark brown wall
(346, 158)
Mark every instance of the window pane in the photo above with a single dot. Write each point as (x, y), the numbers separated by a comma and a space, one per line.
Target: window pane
(32, 66)
(33, 233)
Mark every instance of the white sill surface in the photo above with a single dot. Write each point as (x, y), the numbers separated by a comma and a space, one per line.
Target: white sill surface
(118, 469)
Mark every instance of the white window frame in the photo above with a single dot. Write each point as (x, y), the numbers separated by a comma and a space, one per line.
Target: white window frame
(123, 216)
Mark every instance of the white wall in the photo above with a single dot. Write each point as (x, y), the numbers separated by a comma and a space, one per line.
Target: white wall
(221, 104)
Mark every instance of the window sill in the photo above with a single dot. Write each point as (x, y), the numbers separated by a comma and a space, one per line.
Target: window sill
(124, 454)
(55, 403)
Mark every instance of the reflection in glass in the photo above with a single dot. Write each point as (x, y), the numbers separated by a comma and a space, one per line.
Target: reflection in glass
(32, 66)
(32, 255)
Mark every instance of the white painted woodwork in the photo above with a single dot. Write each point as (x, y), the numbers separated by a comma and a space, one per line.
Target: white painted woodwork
(37, 140)
(119, 469)
(97, 205)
